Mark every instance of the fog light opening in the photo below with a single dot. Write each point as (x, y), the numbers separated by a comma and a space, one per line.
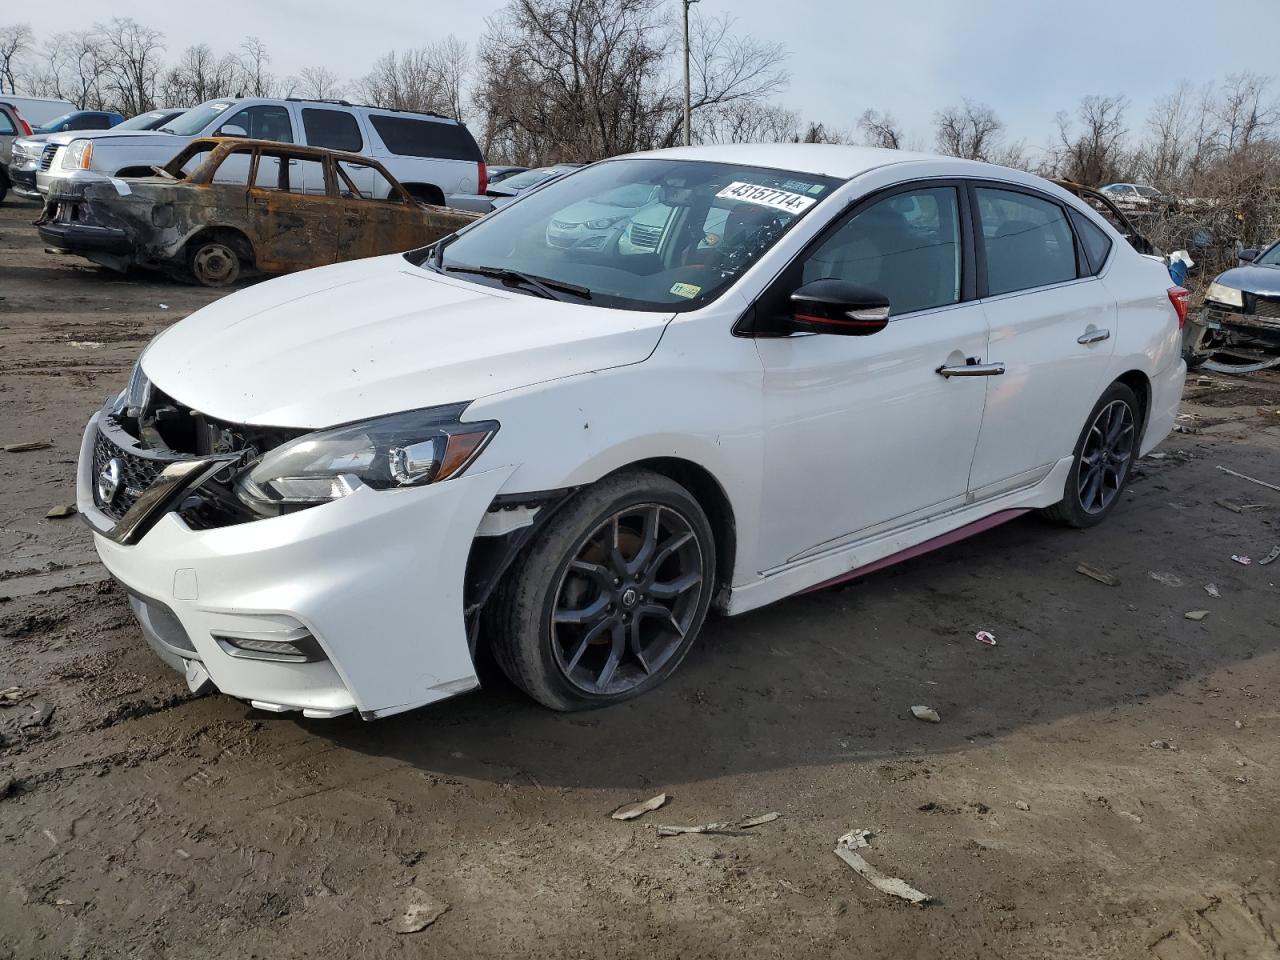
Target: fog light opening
(283, 646)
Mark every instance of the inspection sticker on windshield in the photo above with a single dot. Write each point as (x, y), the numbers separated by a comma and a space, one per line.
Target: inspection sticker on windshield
(782, 200)
(686, 290)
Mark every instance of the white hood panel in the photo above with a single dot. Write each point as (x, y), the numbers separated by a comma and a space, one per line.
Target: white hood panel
(371, 337)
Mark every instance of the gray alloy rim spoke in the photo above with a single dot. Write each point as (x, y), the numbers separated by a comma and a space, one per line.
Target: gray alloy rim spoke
(627, 599)
(588, 614)
(673, 588)
(588, 638)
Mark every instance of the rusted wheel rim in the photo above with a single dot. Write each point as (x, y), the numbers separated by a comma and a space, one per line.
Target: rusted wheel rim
(215, 264)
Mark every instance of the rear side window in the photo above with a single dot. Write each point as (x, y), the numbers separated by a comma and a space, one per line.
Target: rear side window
(426, 138)
(1028, 241)
(6, 125)
(1097, 245)
(334, 129)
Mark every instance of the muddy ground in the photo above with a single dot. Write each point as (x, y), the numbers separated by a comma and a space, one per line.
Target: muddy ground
(138, 821)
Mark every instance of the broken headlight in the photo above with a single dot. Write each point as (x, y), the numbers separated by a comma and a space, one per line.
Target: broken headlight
(1221, 293)
(387, 453)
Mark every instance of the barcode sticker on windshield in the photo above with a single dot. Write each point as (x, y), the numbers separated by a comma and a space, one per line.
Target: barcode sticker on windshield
(782, 200)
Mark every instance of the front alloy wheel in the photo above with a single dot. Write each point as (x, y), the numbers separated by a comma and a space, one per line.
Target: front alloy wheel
(609, 597)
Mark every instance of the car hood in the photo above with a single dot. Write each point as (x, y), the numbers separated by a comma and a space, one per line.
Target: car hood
(378, 336)
(1253, 279)
(62, 139)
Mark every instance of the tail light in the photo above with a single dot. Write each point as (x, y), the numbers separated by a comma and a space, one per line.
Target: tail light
(1180, 297)
(484, 178)
(26, 127)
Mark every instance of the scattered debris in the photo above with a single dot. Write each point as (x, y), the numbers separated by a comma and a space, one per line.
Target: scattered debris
(1156, 456)
(1212, 590)
(8, 785)
(61, 510)
(27, 446)
(1242, 779)
(1243, 561)
(1239, 725)
(40, 714)
(1093, 573)
(12, 695)
(984, 636)
(1196, 614)
(927, 714)
(164, 306)
(1168, 579)
(1132, 816)
(421, 910)
(1261, 483)
(85, 344)
(61, 902)
(855, 839)
(1271, 557)
(885, 884)
(638, 808)
(728, 827)
(1230, 505)
(1022, 805)
(1161, 745)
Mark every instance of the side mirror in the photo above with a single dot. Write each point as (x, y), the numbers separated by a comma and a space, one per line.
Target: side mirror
(231, 130)
(1248, 256)
(840, 307)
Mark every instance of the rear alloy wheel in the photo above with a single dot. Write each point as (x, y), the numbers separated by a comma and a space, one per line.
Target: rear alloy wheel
(214, 263)
(1104, 456)
(610, 596)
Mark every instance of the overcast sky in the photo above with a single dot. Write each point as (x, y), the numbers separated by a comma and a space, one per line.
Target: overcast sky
(1025, 58)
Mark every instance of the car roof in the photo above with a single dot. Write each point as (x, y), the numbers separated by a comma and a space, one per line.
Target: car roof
(821, 159)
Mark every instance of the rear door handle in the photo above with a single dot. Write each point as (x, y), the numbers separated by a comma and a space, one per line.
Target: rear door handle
(972, 368)
(1093, 335)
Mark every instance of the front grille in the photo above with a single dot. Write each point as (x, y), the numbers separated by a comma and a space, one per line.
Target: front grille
(46, 158)
(137, 473)
(1266, 307)
(643, 235)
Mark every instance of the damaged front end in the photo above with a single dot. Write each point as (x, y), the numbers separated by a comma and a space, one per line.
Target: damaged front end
(113, 229)
(1236, 338)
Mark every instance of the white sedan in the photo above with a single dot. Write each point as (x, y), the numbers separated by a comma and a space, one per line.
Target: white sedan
(799, 363)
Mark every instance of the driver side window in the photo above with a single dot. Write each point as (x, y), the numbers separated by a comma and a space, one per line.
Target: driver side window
(906, 247)
(263, 122)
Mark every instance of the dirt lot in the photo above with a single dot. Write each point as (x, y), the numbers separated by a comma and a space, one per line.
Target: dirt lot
(1104, 783)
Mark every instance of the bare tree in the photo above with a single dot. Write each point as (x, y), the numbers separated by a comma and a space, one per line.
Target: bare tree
(255, 79)
(1246, 111)
(972, 131)
(1095, 155)
(428, 79)
(15, 39)
(880, 129)
(315, 83)
(747, 121)
(131, 64)
(200, 75)
(820, 133)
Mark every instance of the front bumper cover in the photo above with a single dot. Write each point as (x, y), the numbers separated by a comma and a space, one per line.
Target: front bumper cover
(377, 578)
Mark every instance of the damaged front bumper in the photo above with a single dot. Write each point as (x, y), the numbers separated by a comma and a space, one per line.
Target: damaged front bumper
(368, 590)
(1238, 340)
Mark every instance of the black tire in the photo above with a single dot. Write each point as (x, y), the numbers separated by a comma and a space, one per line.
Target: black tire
(4, 187)
(1104, 453)
(427, 193)
(547, 649)
(213, 262)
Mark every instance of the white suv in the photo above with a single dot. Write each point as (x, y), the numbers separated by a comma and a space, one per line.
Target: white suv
(431, 155)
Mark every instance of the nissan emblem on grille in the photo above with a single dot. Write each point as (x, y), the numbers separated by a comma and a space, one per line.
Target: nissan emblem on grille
(109, 481)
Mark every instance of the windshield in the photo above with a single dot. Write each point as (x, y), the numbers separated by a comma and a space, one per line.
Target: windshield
(1147, 191)
(530, 178)
(703, 225)
(143, 121)
(54, 124)
(1270, 257)
(197, 118)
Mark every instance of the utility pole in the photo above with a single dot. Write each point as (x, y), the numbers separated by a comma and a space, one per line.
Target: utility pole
(688, 135)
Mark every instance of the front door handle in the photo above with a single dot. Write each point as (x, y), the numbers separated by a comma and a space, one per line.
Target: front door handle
(1093, 335)
(972, 367)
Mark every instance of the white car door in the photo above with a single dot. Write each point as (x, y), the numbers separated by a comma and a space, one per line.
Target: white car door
(1052, 325)
(865, 433)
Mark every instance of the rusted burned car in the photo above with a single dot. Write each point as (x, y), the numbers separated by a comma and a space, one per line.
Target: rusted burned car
(223, 206)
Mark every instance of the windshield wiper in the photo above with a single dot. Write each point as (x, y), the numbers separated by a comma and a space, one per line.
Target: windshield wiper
(545, 286)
